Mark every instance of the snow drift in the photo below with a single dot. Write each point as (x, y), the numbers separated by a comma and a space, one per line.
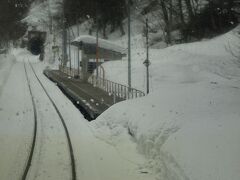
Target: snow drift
(188, 126)
(5, 68)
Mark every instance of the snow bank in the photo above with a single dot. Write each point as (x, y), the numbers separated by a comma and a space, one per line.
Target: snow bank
(6, 63)
(188, 126)
(24, 55)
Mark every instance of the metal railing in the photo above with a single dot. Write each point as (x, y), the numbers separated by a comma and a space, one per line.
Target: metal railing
(113, 88)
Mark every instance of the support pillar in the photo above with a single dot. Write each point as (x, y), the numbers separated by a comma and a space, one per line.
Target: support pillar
(84, 67)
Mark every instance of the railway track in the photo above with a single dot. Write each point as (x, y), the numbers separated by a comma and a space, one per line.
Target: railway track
(24, 176)
(71, 153)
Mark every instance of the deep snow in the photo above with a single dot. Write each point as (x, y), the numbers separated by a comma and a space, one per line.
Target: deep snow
(188, 126)
(95, 159)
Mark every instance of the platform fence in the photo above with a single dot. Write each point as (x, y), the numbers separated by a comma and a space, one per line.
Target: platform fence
(112, 88)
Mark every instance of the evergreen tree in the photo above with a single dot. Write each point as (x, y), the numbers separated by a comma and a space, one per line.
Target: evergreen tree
(11, 13)
(103, 12)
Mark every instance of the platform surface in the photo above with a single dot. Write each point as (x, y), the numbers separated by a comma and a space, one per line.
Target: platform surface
(94, 100)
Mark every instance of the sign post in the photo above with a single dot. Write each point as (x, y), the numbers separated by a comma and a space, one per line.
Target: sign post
(147, 62)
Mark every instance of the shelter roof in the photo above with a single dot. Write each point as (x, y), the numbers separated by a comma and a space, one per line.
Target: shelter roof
(90, 41)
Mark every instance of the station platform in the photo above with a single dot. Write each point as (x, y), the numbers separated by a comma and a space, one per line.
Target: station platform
(91, 101)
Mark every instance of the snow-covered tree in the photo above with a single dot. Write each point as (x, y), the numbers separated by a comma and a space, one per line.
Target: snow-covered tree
(11, 12)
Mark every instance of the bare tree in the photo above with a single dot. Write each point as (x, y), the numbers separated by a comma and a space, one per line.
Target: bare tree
(190, 10)
(180, 10)
(167, 17)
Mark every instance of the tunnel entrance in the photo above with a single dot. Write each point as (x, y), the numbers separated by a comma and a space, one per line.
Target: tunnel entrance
(36, 40)
(36, 46)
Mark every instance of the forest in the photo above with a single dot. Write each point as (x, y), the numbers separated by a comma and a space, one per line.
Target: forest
(195, 19)
(11, 13)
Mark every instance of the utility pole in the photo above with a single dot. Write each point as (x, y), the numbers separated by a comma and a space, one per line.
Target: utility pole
(78, 64)
(129, 46)
(64, 37)
(147, 62)
(97, 39)
(69, 49)
(78, 28)
(78, 55)
(54, 44)
(50, 19)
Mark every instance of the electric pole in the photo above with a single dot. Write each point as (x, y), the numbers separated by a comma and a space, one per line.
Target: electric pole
(69, 49)
(64, 37)
(97, 39)
(147, 62)
(129, 45)
(54, 44)
(78, 54)
(50, 18)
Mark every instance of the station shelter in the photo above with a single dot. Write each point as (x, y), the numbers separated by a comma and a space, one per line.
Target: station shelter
(94, 52)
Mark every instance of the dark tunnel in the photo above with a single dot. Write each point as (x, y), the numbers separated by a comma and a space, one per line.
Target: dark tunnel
(36, 45)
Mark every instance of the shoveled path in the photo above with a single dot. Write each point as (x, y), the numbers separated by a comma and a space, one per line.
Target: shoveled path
(93, 100)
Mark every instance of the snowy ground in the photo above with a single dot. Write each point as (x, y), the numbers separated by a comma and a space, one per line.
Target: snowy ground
(188, 126)
(95, 159)
(15, 120)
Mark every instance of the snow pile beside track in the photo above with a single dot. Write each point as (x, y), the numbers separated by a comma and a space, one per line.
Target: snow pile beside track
(188, 126)
(6, 63)
(23, 55)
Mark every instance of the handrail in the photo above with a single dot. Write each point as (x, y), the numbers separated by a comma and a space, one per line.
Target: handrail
(112, 88)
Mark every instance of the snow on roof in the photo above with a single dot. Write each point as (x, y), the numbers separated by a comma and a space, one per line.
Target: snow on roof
(102, 43)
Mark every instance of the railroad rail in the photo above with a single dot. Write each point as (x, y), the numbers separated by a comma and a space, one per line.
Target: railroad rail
(24, 176)
(73, 166)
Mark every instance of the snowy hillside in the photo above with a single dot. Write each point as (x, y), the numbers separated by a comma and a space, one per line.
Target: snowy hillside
(188, 126)
(186, 63)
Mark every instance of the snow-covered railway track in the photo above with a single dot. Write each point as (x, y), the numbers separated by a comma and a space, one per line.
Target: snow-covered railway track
(70, 147)
(34, 130)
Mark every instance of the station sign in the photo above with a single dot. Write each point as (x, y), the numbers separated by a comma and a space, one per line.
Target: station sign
(55, 48)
